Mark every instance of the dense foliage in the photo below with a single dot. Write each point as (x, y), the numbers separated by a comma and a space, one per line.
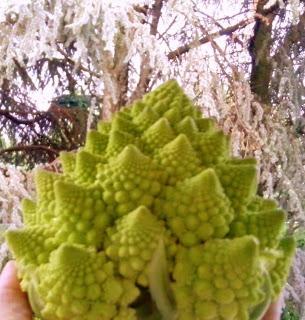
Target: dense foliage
(289, 314)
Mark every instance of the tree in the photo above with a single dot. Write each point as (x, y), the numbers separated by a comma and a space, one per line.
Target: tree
(41, 135)
(118, 52)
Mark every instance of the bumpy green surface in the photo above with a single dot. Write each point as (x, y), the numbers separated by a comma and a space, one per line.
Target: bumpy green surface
(152, 219)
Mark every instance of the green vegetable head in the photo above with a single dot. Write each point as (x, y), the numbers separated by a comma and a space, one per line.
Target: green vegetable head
(152, 219)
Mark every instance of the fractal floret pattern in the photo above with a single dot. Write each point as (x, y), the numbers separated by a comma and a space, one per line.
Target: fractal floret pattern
(152, 219)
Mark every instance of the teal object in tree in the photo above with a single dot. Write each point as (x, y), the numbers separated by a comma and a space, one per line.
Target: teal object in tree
(73, 101)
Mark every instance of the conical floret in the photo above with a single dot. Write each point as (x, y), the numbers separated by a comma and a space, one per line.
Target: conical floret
(119, 123)
(159, 134)
(188, 127)
(96, 142)
(159, 106)
(206, 124)
(268, 227)
(211, 155)
(104, 127)
(146, 118)
(31, 246)
(163, 96)
(197, 209)
(67, 160)
(80, 214)
(137, 108)
(213, 279)
(281, 269)
(239, 183)
(173, 115)
(259, 204)
(45, 206)
(29, 212)
(117, 142)
(179, 159)
(133, 241)
(124, 113)
(129, 181)
(86, 167)
(79, 282)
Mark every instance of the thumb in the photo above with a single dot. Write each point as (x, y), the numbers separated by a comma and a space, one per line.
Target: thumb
(13, 302)
(275, 309)
(8, 277)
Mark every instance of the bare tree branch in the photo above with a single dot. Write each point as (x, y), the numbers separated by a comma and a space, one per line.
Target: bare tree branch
(16, 120)
(145, 69)
(156, 14)
(80, 67)
(27, 148)
(144, 79)
(24, 75)
(177, 53)
(168, 28)
(259, 50)
(141, 9)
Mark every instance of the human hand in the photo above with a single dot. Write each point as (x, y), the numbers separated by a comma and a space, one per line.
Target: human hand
(275, 309)
(14, 304)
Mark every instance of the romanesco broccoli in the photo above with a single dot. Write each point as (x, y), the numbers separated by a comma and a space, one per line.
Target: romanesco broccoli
(152, 219)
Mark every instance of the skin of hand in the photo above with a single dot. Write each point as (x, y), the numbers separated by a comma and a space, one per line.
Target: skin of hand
(14, 304)
(275, 309)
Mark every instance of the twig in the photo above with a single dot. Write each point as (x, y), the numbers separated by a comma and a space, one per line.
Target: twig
(24, 75)
(145, 69)
(167, 29)
(142, 10)
(8, 115)
(81, 67)
(219, 25)
(196, 43)
(156, 13)
(29, 148)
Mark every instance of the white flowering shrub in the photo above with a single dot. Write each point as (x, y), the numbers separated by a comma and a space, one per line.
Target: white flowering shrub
(15, 184)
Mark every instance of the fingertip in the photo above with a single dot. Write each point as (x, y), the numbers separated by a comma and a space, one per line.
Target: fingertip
(275, 309)
(13, 302)
(8, 277)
